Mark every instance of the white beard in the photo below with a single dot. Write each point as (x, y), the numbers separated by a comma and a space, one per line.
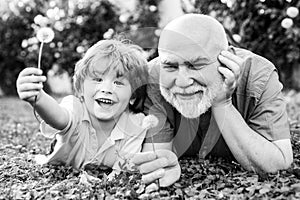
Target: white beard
(194, 107)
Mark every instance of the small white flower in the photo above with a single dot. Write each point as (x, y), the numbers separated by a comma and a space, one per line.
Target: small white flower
(287, 23)
(80, 49)
(237, 38)
(24, 44)
(292, 12)
(149, 121)
(152, 8)
(45, 35)
(124, 17)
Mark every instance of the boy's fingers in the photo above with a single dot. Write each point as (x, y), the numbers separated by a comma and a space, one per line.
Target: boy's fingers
(29, 86)
(29, 94)
(31, 79)
(30, 71)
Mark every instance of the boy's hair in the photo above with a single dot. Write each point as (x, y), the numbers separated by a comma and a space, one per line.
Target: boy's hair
(133, 66)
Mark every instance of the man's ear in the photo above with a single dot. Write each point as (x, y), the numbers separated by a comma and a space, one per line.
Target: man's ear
(131, 101)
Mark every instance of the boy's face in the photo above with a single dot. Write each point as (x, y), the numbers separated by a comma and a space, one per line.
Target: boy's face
(105, 93)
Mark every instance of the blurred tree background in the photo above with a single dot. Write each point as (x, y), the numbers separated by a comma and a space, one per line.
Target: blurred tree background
(269, 28)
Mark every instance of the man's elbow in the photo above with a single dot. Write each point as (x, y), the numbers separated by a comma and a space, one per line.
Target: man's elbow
(285, 163)
(277, 163)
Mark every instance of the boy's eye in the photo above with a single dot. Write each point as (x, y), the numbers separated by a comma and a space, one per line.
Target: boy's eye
(97, 79)
(118, 83)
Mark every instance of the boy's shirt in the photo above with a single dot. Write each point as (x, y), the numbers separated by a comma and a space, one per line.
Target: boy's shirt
(77, 144)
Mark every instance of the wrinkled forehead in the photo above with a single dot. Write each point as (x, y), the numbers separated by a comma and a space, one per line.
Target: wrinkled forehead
(186, 46)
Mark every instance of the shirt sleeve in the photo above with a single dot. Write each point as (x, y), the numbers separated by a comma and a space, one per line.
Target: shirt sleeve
(67, 138)
(129, 146)
(270, 117)
(157, 106)
(73, 107)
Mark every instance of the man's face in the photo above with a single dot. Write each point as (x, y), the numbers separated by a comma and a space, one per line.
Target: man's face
(187, 81)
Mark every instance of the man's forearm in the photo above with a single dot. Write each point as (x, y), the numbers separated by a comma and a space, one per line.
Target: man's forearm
(251, 150)
(51, 112)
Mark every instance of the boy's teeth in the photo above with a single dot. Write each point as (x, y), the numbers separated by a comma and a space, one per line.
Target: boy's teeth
(106, 101)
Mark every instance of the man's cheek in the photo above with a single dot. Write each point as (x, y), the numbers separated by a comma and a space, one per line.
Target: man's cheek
(166, 79)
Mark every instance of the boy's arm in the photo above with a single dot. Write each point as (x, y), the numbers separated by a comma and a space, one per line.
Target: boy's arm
(29, 86)
(51, 112)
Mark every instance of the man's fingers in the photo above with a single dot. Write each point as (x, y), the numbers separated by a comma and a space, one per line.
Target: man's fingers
(151, 188)
(228, 75)
(232, 62)
(143, 157)
(171, 157)
(154, 165)
(230, 56)
(148, 178)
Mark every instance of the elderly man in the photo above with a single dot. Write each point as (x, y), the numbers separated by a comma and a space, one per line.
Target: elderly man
(212, 99)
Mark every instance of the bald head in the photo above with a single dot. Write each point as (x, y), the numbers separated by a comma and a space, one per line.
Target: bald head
(201, 33)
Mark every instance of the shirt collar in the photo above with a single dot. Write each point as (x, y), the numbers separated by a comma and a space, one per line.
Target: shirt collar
(128, 125)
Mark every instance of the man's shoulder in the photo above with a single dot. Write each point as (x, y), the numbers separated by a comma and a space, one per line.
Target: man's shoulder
(153, 70)
(153, 89)
(258, 63)
(256, 74)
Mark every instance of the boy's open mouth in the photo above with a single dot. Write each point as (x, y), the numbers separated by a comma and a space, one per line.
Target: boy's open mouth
(104, 101)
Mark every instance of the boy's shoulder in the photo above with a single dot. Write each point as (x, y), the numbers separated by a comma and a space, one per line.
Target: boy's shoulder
(137, 118)
(72, 103)
(70, 99)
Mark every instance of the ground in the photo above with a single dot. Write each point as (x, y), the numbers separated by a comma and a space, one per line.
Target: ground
(22, 178)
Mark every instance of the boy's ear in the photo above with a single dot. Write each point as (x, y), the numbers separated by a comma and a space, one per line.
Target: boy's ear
(81, 98)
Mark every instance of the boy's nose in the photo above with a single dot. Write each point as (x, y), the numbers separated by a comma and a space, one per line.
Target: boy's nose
(106, 87)
(183, 78)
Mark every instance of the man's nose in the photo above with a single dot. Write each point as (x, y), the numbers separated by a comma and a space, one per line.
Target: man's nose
(184, 77)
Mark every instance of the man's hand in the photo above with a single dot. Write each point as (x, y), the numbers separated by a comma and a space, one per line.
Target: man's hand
(161, 164)
(29, 84)
(231, 71)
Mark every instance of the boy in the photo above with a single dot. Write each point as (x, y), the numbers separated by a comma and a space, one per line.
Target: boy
(97, 125)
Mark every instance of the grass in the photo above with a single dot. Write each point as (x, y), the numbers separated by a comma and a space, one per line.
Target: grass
(21, 178)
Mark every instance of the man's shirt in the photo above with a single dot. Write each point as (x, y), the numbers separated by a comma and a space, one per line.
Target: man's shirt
(258, 99)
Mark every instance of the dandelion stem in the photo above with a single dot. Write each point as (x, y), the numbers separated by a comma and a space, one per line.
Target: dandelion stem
(40, 55)
(39, 67)
(153, 148)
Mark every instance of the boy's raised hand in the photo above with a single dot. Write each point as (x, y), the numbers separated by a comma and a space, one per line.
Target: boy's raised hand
(30, 83)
